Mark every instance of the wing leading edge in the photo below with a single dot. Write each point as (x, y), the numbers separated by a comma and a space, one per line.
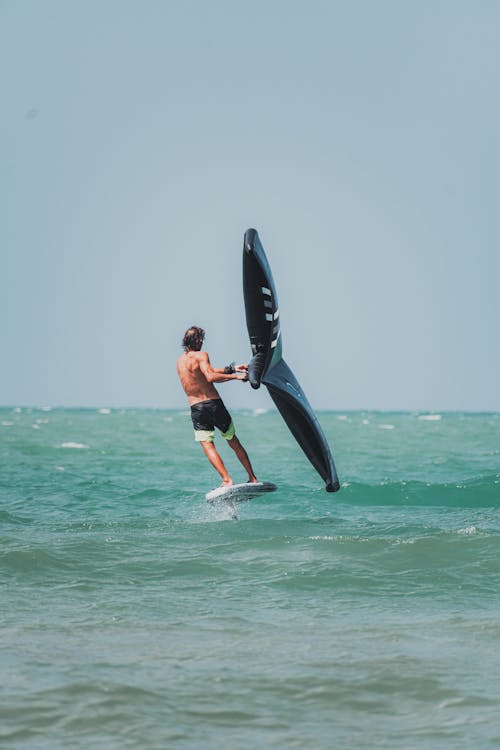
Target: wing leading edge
(268, 366)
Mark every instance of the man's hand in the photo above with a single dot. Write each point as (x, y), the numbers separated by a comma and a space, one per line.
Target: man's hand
(242, 369)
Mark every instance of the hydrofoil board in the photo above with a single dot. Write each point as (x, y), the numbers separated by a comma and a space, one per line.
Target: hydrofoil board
(239, 492)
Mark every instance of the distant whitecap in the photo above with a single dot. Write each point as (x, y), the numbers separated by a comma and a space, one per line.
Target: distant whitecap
(104, 411)
(74, 445)
(326, 538)
(430, 417)
(257, 412)
(386, 426)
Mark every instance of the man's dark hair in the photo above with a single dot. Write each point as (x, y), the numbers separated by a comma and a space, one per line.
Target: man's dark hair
(193, 339)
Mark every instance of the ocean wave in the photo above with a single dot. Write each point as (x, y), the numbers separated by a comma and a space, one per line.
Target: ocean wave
(111, 704)
(7, 517)
(477, 492)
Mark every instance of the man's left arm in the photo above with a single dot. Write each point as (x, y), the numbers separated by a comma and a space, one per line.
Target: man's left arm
(220, 374)
(231, 369)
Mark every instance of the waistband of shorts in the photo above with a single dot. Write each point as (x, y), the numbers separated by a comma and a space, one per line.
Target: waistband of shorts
(206, 401)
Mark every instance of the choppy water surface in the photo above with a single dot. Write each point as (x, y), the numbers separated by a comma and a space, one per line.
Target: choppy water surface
(135, 616)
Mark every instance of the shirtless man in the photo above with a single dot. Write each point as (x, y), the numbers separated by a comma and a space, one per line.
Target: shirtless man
(197, 377)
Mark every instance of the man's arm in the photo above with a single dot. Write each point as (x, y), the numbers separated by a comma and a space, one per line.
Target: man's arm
(218, 374)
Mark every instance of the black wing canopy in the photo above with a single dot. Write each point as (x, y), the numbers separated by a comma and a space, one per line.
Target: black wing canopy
(267, 365)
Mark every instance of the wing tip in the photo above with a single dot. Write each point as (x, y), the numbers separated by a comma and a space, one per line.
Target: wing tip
(249, 240)
(333, 486)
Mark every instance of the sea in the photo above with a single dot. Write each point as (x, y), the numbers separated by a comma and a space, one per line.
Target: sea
(135, 615)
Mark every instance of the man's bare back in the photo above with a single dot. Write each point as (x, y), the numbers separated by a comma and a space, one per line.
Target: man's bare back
(197, 376)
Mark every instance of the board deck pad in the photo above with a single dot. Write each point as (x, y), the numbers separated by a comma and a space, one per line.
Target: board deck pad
(239, 492)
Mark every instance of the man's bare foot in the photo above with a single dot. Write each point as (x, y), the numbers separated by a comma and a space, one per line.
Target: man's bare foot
(253, 480)
(227, 483)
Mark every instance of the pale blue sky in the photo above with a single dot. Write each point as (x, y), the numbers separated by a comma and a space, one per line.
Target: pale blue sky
(138, 141)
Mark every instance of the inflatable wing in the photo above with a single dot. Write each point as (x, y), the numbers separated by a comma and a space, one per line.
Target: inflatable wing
(267, 365)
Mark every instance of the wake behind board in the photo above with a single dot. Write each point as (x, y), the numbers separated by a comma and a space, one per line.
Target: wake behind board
(239, 492)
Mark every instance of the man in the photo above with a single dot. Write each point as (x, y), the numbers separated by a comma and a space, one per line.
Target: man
(197, 377)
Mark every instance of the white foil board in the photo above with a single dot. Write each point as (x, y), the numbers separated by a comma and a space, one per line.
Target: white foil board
(239, 492)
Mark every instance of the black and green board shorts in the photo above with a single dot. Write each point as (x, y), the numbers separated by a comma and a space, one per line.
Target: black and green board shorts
(207, 415)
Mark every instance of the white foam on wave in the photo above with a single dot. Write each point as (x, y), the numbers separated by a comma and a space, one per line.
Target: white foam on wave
(7, 424)
(430, 417)
(104, 410)
(338, 538)
(386, 426)
(257, 412)
(468, 531)
(342, 417)
(404, 541)
(74, 445)
(326, 538)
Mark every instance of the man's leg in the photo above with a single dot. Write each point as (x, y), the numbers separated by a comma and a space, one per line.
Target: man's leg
(216, 461)
(242, 457)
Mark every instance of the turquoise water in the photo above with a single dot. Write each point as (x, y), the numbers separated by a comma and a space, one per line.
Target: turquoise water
(134, 615)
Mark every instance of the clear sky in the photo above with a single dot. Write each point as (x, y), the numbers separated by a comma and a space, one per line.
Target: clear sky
(140, 139)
